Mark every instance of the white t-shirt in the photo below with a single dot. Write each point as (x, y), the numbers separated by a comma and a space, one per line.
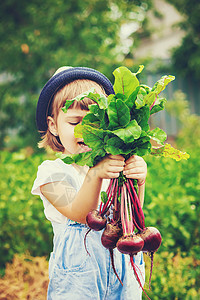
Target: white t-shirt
(56, 170)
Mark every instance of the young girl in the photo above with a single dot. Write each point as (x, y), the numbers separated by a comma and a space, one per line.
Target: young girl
(69, 192)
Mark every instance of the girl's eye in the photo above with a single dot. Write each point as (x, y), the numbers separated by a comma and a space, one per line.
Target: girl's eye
(74, 123)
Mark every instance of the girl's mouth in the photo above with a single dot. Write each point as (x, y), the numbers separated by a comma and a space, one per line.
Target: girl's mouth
(84, 147)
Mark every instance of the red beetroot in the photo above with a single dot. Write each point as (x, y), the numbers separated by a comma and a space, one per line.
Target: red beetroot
(95, 220)
(109, 239)
(131, 244)
(111, 235)
(152, 239)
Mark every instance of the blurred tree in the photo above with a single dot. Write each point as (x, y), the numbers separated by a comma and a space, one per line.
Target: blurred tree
(38, 37)
(186, 58)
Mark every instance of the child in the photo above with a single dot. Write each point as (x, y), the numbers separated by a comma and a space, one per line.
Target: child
(69, 192)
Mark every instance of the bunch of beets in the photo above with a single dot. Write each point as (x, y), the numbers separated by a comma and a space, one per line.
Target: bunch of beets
(127, 215)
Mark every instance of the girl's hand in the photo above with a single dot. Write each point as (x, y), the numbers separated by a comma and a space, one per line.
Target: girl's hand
(136, 168)
(109, 167)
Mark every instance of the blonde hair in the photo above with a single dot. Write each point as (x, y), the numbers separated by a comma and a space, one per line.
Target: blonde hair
(68, 92)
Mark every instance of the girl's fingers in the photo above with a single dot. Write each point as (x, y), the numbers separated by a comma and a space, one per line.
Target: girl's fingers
(115, 169)
(132, 168)
(136, 176)
(135, 168)
(133, 158)
(112, 175)
(116, 157)
(135, 163)
(133, 171)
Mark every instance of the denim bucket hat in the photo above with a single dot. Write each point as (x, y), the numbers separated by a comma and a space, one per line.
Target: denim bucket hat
(62, 77)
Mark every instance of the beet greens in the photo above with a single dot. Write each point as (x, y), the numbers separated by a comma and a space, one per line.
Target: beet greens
(118, 124)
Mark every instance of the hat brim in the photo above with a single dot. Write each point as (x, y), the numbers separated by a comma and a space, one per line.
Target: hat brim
(58, 81)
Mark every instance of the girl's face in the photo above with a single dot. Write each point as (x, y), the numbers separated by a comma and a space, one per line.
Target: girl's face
(65, 125)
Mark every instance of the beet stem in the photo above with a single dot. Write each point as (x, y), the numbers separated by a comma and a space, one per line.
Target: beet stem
(135, 210)
(113, 265)
(136, 275)
(116, 194)
(109, 201)
(131, 214)
(126, 212)
(138, 203)
(122, 212)
(139, 213)
(107, 192)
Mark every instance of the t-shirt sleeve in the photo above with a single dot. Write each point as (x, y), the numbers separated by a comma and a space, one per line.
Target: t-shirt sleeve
(48, 172)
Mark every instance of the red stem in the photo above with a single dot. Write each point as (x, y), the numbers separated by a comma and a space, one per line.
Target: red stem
(153, 103)
(122, 211)
(135, 210)
(108, 203)
(107, 192)
(140, 213)
(115, 200)
(132, 227)
(126, 212)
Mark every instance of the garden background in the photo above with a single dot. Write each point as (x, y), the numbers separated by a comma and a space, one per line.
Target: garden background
(38, 37)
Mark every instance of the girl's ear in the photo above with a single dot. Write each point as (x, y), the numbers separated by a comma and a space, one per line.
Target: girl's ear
(52, 126)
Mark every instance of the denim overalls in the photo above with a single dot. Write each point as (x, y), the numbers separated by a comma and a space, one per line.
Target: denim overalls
(75, 274)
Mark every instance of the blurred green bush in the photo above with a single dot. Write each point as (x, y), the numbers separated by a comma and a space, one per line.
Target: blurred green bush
(22, 222)
(174, 277)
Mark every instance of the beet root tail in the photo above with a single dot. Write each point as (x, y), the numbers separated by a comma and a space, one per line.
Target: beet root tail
(85, 241)
(113, 265)
(137, 277)
(151, 270)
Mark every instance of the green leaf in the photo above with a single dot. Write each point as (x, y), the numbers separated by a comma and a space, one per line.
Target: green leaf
(118, 114)
(68, 160)
(157, 135)
(104, 197)
(160, 85)
(141, 67)
(100, 99)
(83, 95)
(139, 102)
(130, 102)
(158, 106)
(150, 98)
(129, 133)
(68, 103)
(91, 119)
(114, 145)
(144, 149)
(121, 97)
(84, 158)
(102, 102)
(78, 131)
(81, 159)
(93, 137)
(125, 81)
(97, 111)
(110, 98)
(142, 117)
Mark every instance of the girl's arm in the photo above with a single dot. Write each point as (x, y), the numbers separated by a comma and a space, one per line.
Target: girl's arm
(136, 168)
(76, 206)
